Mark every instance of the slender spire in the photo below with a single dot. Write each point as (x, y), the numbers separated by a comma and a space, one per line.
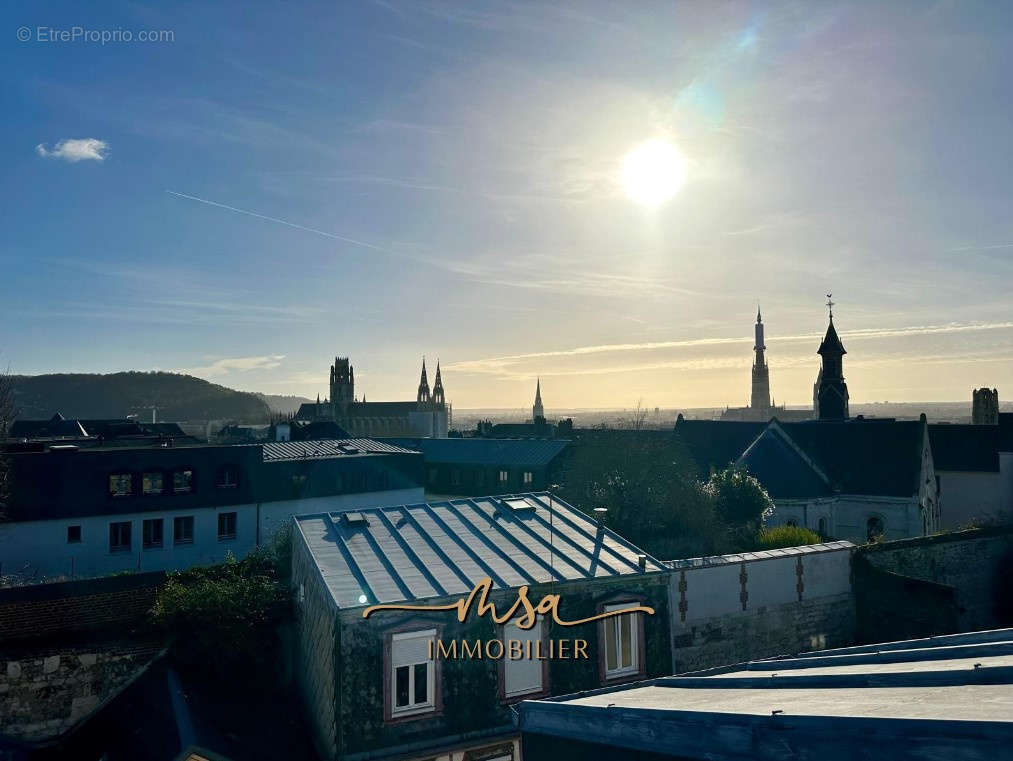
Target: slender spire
(759, 319)
(423, 395)
(537, 411)
(438, 395)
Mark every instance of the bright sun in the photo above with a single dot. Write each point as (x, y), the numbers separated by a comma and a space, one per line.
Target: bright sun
(653, 172)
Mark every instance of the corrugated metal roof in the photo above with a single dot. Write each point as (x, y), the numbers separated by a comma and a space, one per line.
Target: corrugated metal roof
(509, 452)
(739, 557)
(314, 450)
(413, 552)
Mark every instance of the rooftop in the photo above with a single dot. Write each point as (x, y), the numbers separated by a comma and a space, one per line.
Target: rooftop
(509, 452)
(442, 549)
(279, 451)
(913, 699)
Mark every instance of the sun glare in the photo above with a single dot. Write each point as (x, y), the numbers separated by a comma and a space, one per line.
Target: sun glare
(653, 172)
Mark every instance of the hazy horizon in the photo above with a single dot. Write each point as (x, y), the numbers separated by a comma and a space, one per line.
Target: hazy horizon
(276, 185)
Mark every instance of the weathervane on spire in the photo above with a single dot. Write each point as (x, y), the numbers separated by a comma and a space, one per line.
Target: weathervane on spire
(830, 305)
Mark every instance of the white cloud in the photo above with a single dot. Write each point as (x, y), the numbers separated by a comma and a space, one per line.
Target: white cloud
(74, 150)
(228, 365)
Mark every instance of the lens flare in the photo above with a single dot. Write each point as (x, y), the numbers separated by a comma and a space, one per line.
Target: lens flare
(653, 172)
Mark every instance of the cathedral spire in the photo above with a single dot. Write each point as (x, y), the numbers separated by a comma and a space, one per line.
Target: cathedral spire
(760, 396)
(423, 395)
(831, 397)
(537, 411)
(438, 396)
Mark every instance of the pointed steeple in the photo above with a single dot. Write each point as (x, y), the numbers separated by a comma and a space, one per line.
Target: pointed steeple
(423, 394)
(438, 396)
(759, 319)
(537, 411)
(831, 397)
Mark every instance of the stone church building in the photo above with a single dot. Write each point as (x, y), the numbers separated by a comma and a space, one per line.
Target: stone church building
(428, 416)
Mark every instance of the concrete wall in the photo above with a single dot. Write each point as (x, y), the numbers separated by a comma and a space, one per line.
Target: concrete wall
(36, 550)
(977, 564)
(847, 516)
(734, 608)
(967, 496)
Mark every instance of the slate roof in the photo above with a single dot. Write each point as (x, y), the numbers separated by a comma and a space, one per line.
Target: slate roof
(413, 552)
(971, 448)
(940, 697)
(507, 452)
(277, 451)
(858, 456)
(831, 342)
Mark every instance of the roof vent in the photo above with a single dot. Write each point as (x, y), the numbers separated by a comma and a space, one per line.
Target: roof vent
(518, 505)
(348, 449)
(354, 519)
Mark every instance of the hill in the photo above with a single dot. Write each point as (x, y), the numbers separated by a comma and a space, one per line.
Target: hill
(176, 397)
(281, 404)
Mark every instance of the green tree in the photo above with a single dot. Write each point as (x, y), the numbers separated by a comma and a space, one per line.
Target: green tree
(222, 620)
(739, 499)
(646, 482)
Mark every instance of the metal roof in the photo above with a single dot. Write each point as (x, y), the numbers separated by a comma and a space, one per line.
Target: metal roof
(442, 549)
(277, 451)
(942, 697)
(477, 451)
(738, 557)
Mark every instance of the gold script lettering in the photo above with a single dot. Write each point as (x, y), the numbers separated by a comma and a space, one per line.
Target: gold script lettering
(479, 598)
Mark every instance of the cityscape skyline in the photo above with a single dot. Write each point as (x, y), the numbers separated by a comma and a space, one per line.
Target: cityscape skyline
(398, 179)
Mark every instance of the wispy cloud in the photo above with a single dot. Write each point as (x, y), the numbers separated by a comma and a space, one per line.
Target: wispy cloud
(74, 150)
(229, 365)
(979, 248)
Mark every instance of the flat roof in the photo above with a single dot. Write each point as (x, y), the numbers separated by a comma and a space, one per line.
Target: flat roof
(928, 696)
(277, 451)
(442, 549)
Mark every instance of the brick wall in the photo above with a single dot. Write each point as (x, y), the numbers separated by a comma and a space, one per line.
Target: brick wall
(976, 564)
(735, 608)
(45, 693)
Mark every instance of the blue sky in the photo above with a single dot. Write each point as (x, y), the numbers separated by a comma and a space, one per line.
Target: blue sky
(445, 179)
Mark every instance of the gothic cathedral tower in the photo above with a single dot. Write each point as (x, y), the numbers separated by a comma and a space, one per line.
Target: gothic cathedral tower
(342, 386)
(831, 392)
(537, 411)
(424, 396)
(439, 397)
(760, 399)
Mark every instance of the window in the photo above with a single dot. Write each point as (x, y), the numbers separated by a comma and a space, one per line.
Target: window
(874, 528)
(151, 483)
(182, 481)
(226, 526)
(529, 478)
(182, 530)
(121, 485)
(822, 528)
(412, 674)
(151, 532)
(524, 675)
(503, 476)
(228, 477)
(73, 534)
(621, 642)
(119, 536)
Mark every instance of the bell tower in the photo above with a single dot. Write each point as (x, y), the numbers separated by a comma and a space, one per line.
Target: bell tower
(342, 385)
(438, 396)
(424, 396)
(760, 397)
(832, 391)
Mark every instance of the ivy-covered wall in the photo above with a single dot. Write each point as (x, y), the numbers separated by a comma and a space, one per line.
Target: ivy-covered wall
(470, 688)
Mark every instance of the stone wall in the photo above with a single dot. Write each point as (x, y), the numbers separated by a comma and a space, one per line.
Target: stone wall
(734, 608)
(316, 614)
(976, 564)
(44, 693)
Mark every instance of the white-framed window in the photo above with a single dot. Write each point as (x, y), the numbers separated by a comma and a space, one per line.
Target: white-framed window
(529, 478)
(504, 476)
(523, 675)
(412, 673)
(621, 642)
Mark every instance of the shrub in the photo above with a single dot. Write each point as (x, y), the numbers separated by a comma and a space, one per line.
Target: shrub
(777, 537)
(223, 619)
(738, 497)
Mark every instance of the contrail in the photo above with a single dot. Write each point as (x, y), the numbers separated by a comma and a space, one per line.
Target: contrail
(279, 221)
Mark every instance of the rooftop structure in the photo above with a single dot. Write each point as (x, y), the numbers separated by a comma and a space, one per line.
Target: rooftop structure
(943, 697)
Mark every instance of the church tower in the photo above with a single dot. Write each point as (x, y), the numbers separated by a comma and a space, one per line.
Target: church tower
(537, 411)
(342, 386)
(831, 392)
(438, 396)
(423, 395)
(760, 398)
